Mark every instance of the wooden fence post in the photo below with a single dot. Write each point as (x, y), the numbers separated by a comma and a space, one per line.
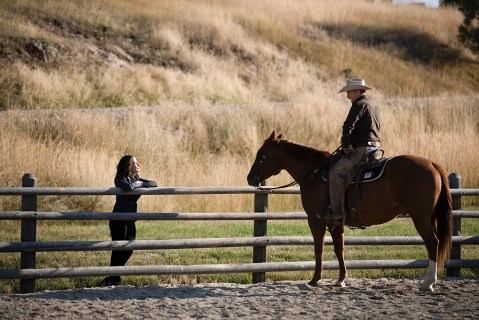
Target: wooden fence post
(260, 230)
(28, 233)
(455, 183)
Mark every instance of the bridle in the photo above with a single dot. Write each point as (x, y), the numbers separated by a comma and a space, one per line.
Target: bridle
(310, 174)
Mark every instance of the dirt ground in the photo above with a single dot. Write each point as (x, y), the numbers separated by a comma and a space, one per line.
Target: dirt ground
(386, 298)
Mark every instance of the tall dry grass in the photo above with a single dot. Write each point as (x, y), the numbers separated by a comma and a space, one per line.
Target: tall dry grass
(129, 53)
(184, 145)
(223, 75)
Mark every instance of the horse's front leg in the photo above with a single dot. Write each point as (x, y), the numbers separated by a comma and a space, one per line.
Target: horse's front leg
(318, 230)
(337, 235)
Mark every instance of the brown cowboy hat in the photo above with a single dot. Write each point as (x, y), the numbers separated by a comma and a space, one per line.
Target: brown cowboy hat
(354, 84)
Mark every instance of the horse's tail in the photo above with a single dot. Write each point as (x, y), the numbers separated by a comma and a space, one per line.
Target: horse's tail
(443, 216)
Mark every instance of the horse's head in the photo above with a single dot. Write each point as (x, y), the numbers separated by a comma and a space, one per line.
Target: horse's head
(266, 163)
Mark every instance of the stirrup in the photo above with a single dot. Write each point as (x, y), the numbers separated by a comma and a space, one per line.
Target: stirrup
(335, 223)
(328, 219)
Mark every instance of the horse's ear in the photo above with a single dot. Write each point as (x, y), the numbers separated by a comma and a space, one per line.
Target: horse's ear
(272, 136)
(279, 136)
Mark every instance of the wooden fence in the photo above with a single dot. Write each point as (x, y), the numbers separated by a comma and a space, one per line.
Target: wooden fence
(29, 246)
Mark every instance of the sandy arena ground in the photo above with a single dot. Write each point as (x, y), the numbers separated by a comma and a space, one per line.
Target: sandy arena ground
(453, 298)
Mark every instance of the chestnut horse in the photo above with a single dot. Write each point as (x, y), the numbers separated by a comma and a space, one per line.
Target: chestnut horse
(409, 184)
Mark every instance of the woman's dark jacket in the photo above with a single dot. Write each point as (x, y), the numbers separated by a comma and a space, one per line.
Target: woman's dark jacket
(362, 124)
(129, 203)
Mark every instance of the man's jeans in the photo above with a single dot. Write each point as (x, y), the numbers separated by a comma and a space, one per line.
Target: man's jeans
(339, 177)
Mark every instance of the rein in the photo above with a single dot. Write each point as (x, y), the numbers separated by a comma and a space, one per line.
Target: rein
(321, 166)
(280, 187)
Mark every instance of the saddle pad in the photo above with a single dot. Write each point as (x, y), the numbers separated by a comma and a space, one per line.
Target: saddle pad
(372, 171)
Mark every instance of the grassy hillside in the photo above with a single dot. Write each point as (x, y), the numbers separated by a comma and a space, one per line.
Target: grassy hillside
(70, 54)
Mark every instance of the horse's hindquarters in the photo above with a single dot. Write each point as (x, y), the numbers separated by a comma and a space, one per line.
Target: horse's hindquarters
(409, 185)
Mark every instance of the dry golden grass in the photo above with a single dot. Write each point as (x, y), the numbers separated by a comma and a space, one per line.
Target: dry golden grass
(221, 75)
(128, 53)
(182, 145)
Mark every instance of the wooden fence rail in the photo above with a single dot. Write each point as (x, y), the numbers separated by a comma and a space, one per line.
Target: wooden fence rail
(32, 274)
(29, 246)
(212, 243)
(201, 216)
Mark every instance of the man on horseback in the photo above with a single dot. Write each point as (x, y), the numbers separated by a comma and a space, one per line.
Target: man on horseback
(361, 134)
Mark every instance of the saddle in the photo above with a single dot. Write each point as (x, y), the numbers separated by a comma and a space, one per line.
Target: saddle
(370, 170)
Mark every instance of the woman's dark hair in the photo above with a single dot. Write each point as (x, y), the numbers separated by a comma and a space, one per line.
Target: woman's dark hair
(124, 166)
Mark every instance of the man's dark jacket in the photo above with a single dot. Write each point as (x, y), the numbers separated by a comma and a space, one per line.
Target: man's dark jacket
(362, 124)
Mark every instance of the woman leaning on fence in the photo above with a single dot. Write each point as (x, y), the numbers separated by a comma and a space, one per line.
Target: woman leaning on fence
(127, 178)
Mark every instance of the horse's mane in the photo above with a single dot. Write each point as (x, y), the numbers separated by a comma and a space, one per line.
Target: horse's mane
(304, 152)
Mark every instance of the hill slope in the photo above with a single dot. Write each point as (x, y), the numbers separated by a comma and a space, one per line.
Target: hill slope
(125, 53)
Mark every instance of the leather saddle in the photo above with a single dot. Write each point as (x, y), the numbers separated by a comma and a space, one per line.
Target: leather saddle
(370, 171)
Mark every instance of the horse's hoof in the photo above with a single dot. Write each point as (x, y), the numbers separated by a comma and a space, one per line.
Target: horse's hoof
(313, 283)
(340, 284)
(427, 288)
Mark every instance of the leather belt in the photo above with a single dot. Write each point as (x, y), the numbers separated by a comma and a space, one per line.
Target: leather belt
(368, 144)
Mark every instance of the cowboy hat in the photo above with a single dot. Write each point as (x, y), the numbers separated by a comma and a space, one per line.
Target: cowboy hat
(354, 84)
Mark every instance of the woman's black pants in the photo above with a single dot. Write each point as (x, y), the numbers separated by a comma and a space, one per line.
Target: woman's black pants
(121, 230)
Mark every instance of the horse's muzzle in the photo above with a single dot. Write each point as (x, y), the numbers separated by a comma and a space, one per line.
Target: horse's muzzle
(253, 180)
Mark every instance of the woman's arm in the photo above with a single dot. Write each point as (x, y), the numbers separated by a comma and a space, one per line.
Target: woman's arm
(148, 183)
(125, 183)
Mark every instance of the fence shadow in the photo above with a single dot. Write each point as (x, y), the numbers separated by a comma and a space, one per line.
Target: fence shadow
(200, 291)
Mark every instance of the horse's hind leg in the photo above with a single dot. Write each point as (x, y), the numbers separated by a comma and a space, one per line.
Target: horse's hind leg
(427, 232)
(338, 241)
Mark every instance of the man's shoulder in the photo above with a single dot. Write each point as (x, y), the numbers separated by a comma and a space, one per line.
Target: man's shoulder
(363, 102)
(363, 99)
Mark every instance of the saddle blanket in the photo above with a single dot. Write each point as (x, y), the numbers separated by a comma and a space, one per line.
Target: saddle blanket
(371, 171)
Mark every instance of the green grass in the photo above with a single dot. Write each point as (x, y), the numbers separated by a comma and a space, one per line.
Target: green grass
(91, 230)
